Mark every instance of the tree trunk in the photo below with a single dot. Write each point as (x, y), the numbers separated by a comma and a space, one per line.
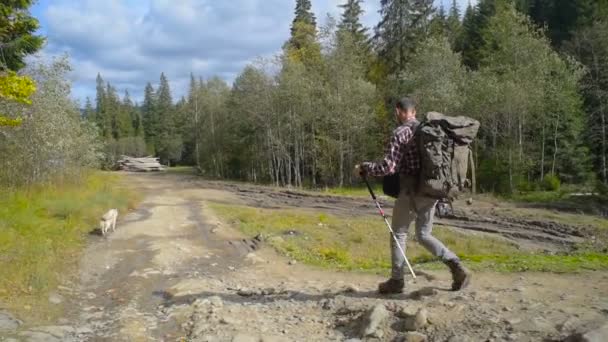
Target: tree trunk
(511, 186)
(604, 171)
(555, 146)
(542, 155)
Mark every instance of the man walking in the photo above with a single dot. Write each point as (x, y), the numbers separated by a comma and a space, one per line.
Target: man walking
(402, 157)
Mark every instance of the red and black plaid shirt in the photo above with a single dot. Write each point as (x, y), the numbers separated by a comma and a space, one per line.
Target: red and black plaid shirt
(401, 154)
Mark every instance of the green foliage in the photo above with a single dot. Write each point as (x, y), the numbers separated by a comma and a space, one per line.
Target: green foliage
(435, 77)
(402, 26)
(17, 38)
(43, 229)
(15, 88)
(362, 243)
(52, 141)
(551, 183)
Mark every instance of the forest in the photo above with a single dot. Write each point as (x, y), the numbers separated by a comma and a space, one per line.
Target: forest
(533, 72)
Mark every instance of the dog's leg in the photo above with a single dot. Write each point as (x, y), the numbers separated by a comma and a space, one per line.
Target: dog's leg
(114, 222)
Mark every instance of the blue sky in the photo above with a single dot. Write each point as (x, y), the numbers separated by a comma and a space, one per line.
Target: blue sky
(130, 42)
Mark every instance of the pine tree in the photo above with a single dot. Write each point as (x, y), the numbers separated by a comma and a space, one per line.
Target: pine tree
(475, 21)
(101, 111)
(164, 105)
(89, 111)
(17, 34)
(168, 144)
(454, 25)
(403, 24)
(303, 14)
(149, 116)
(351, 22)
(438, 26)
(303, 46)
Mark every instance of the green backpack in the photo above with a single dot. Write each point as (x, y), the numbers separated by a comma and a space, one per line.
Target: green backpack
(445, 154)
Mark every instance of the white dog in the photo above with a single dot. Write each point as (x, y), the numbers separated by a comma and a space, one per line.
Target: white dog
(108, 220)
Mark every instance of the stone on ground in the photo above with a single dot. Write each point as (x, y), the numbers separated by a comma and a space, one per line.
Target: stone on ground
(414, 336)
(373, 320)
(418, 321)
(598, 335)
(8, 322)
(245, 338)
(55, 298)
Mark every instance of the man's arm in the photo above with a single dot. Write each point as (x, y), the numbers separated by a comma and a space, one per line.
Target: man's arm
(393, 154)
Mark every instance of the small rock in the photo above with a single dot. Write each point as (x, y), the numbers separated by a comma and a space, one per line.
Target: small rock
(229, 321)
(513, 321)
(353, 340)
(216, 301)
(245, 292)
(245, 338)
(418, 321)
(598, 335)
(568, 326)
(350, 289)
(292, 262)
(8, 322)
(55, 298)
(414, 336)
(373, 320)
(274, 339)
(215, 230)
(231, 268)
(37, 336)
(269, 291)
(424, 292)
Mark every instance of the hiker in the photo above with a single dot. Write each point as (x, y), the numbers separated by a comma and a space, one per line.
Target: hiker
(402, 157)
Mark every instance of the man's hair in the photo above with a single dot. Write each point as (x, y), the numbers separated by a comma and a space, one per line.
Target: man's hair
(406, 104)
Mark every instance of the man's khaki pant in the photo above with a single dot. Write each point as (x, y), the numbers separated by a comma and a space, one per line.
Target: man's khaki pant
(410, 207)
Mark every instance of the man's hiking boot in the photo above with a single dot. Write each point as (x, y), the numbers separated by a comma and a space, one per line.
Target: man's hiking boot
(391, 286)
(460, 275)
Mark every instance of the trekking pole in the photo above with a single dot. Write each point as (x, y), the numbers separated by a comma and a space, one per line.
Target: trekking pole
(371, 191)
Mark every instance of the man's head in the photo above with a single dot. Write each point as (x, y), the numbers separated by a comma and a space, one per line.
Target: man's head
(405, 110)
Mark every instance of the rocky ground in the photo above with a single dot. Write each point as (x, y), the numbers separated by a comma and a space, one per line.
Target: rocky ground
(174, 272)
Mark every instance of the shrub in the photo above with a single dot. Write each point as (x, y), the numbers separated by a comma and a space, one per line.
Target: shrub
(551, 183)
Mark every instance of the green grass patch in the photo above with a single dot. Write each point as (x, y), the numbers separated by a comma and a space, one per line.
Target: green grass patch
(354, 191)
(182, 170)
(42, 232)
(363, 243)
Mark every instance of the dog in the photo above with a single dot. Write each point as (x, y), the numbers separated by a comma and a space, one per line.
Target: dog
(108, 221)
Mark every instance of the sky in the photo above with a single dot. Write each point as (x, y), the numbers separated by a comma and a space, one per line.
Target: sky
(130, 42)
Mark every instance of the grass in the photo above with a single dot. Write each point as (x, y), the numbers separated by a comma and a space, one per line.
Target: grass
(362, 244)
(182, 170)
(43, 229)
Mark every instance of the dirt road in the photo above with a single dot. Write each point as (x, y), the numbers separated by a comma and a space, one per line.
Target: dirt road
(173, 272)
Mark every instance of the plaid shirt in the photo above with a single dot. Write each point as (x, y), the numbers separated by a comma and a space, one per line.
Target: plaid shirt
(401, 154)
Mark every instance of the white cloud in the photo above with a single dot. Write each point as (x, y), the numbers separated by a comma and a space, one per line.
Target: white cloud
(132, 42)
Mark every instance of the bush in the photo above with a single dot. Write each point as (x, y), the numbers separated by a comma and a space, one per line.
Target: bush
(551, 183)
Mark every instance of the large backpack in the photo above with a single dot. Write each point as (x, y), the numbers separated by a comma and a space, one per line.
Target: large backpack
(445, 154)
